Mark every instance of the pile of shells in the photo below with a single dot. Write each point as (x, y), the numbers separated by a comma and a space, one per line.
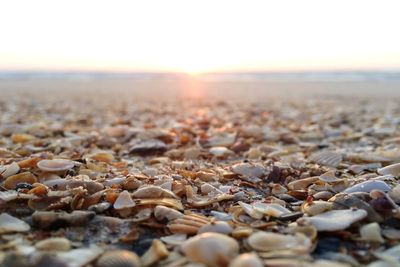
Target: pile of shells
(86, 183)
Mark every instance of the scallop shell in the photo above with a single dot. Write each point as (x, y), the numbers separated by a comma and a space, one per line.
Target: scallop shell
(55, 165)
(327, 158)
(118, 258)
(10, 224)
(371, 232)
(211, 249)
(123, 201)
(188, 224)
(335, 220)
(368, 186)
(267, 241)
(393, 169)
(216, 227)
(247, 260)
(153, 191)
(54, 244)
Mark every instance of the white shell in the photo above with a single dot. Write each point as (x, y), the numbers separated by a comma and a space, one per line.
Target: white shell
(368, 186)
(393, 169)
(153, 191)
(10, 169)
(54, 165)
(335, 220)
(81, 256)
(10, 224)
(216, 227)
(371, 232)
(162, 212)
(123, 201)
(270, 209)
(267, 241)
(210, 249)
(248, 170)
(54, 244)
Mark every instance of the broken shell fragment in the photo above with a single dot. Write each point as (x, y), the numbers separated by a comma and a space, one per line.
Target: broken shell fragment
(334, 220)
(154, 254)
(55, 165)
(162, 212)
(10, 224)
(371, 232)
(124, 201)
(248, 170)
(118, 258)
(211, 249)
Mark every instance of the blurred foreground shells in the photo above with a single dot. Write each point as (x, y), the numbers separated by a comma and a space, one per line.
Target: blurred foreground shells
(10, 224)
(118, 258)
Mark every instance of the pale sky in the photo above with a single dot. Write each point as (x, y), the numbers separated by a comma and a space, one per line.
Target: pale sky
(199, 36)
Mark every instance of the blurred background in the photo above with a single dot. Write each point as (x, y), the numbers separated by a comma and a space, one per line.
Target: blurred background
(201, 49)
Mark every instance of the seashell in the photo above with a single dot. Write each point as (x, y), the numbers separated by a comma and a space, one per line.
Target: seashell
(334, 220)
(162, 212)
(118, 258)
(46, 203)
(267, 241)
(168, 202)
(21, 138)
(271, 209)
(302, 183)
(216, 227)
(77, 181)
(154, 254)
(81, 256)
(10, 224)
(308, 230)
(393, 169)
(251, 211)
(247, 260)
(242, 232)
(329, 177)
(220, 151)
(188, 224)
(211, 249)
(55, 165)
(148, 147)
(327, 158)
(175, 239)
(368, 186)
(124, 201)
(391, 233)
(153, 191)
(24, 177)
(54, 244)
(391, 255)
(316, 207)
(9, 170)
(221, 139)
(371, 232)
(201, 201)
(103, 157)
(323, 195)
(377, 156)
(248, 170)
(395, 193)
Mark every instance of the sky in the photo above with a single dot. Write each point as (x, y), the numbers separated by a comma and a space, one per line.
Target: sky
(199, 36)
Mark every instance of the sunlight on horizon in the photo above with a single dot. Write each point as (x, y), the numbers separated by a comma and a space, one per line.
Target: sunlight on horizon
(199, 36)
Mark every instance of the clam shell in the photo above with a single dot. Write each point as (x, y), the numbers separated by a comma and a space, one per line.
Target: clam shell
(267, 241)
(327, 158)
(335, 220)
(10, 169)
(118, 258)
(153, 191)
(54, 243)
(216, 227)
(123, 201)
(368, 186)
(10, 224)
(211, 249)
(393, 169)
(247, 260)
(55, 165)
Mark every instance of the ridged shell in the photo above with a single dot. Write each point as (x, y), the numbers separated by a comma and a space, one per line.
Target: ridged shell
(211, 249)
(188, 224)
(118, 258)
(327, 158)
(54, 165)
